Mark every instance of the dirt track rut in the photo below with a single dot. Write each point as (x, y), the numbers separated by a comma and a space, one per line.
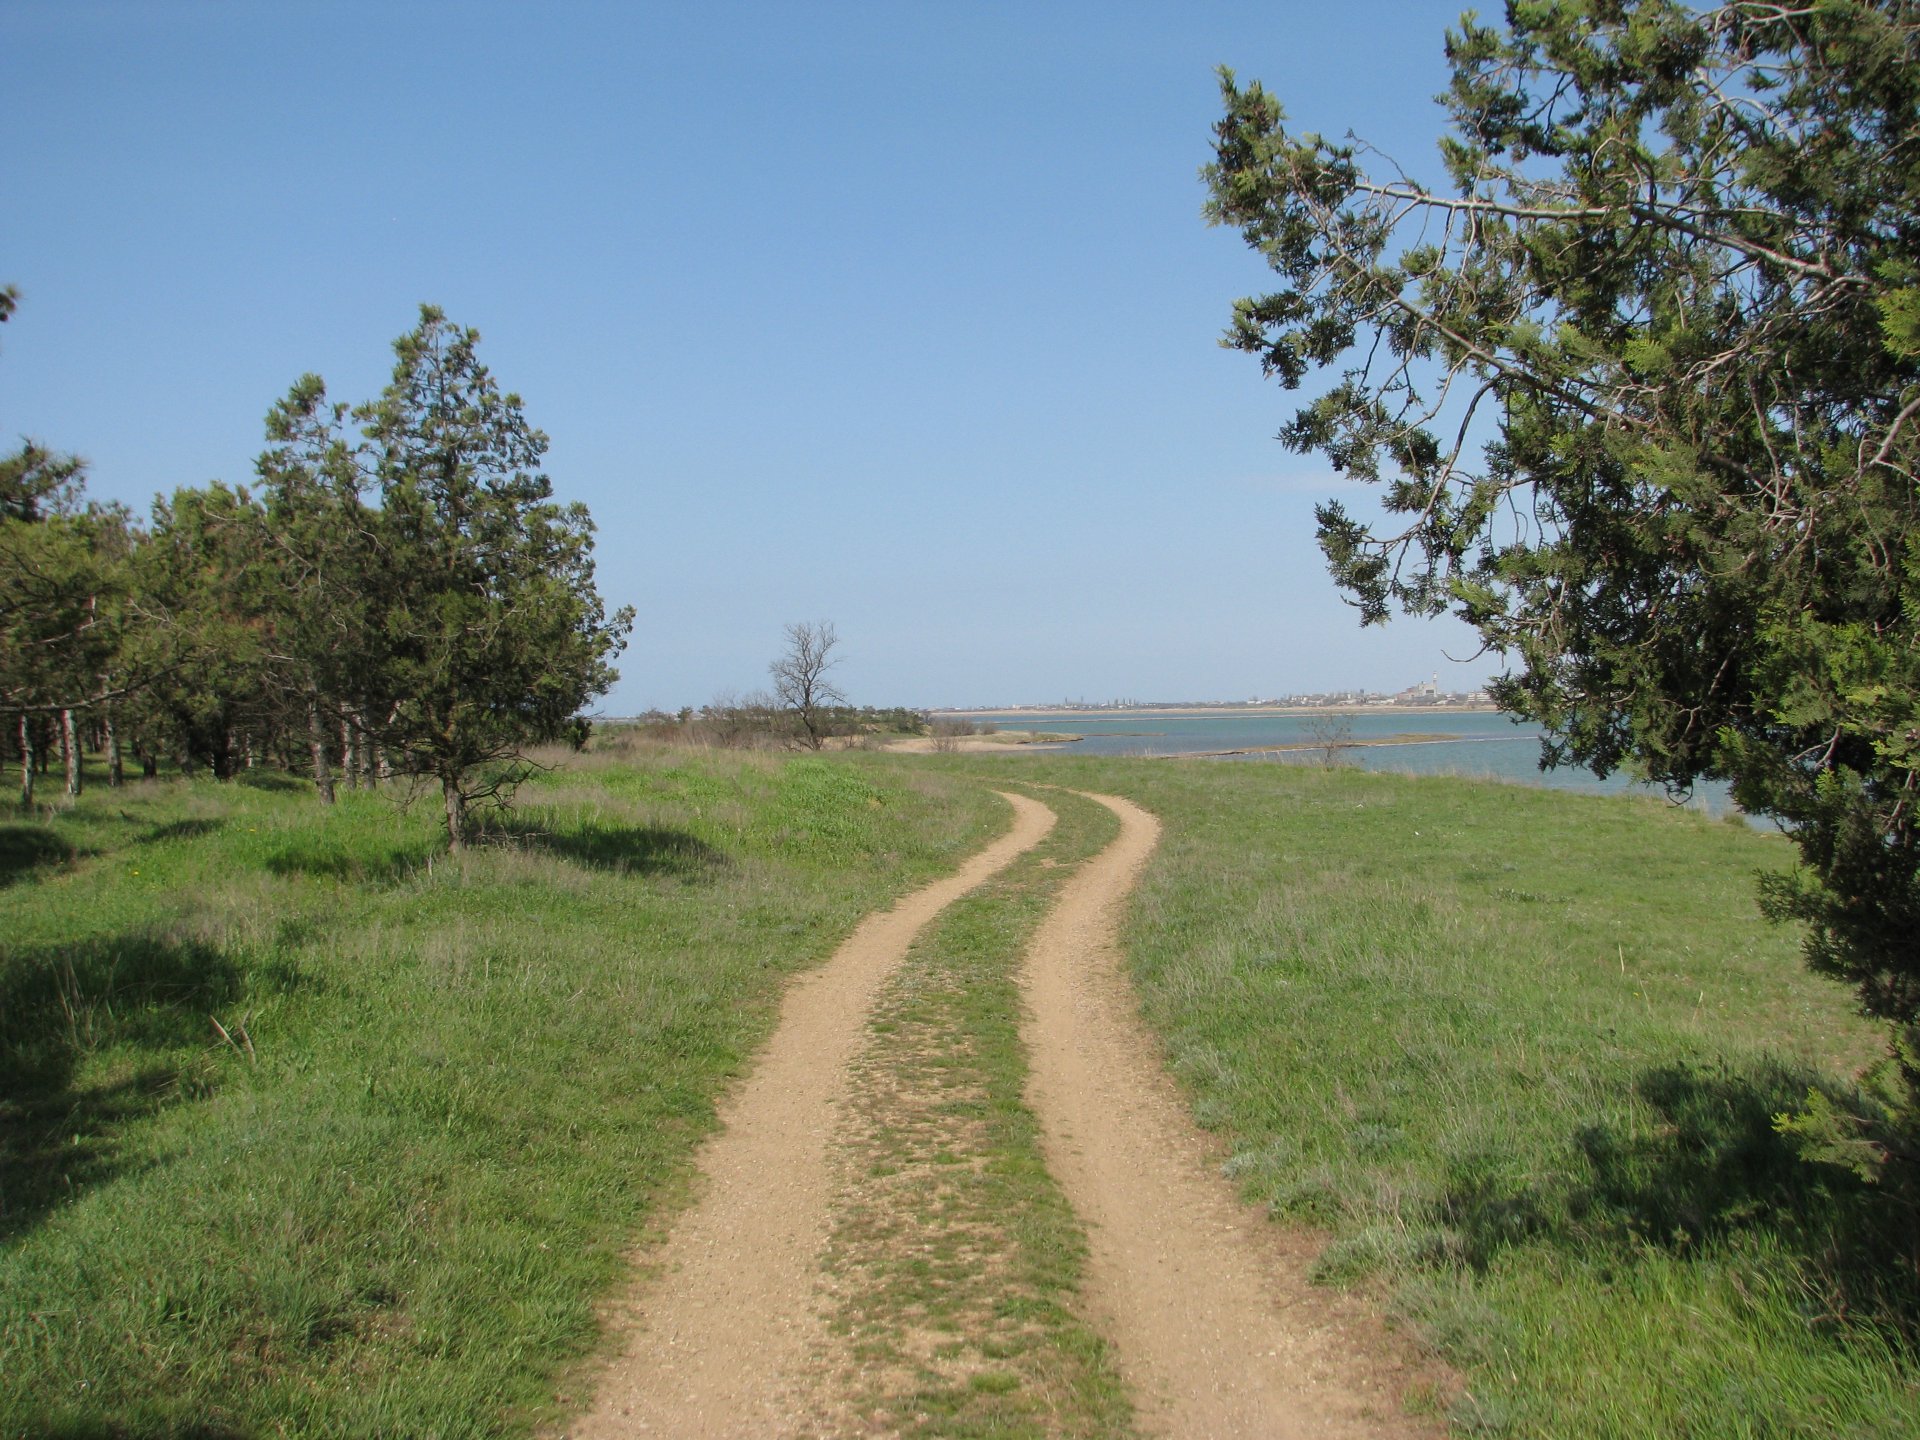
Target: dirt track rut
(1217, 1329)
(724, 1335)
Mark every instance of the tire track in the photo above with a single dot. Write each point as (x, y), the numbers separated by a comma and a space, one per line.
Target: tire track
(1215, 1325)
(721, 1340)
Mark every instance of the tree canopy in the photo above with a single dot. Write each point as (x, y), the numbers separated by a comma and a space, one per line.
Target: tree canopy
(63, 581)
(495, 633)
(409, 590)
(1640, 392)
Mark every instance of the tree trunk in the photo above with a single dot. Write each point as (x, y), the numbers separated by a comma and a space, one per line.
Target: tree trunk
(456, 812)
(70, 746)
(383, 760)
(26, 763)
(317, 746)
(349, 752)
(116, 771)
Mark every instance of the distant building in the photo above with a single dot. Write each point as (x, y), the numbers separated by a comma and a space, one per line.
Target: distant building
(1426, 692)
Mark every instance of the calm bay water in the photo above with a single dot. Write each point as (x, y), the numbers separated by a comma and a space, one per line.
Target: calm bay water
(1474, 743)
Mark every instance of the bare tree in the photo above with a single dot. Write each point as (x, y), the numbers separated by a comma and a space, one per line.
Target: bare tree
(800, 681)
(1331, 733)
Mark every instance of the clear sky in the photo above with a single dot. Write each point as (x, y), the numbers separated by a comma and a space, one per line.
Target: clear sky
(901, 315)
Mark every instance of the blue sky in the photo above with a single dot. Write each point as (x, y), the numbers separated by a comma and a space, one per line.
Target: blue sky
(899, 315)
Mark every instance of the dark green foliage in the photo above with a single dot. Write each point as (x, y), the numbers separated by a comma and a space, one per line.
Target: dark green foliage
(61, 571)
(203, 580)
(494, 634)
(1640, 396)
(323, 549)
(437, 633)
(62, 576)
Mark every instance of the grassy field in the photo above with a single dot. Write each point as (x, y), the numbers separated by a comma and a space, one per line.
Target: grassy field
(447, 1097)
(1516, 1052)
(1519, 1052)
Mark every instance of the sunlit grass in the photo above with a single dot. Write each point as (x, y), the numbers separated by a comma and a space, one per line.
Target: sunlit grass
(443, 1095)
(1518, 1053)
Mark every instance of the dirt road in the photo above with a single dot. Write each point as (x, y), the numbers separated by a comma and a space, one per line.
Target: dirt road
(1206, 1306)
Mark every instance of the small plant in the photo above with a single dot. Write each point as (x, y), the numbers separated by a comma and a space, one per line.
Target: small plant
(1332, 736)
(949, 730)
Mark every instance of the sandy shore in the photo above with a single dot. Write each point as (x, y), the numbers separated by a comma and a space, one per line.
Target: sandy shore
(973, 744)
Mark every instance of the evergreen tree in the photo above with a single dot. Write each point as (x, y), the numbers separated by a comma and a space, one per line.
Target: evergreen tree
(1642, 395)
(323, 545)
(494, 634)
(63, 576)
(207, 596)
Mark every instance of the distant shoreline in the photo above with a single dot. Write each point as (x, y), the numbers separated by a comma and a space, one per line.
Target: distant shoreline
(1041, 712)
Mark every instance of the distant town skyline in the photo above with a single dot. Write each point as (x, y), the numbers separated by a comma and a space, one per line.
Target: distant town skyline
(1425, 692)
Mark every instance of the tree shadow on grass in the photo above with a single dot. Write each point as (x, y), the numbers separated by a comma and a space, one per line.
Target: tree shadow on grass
(26, 848)
(143, 998)
(1713, 1166)
(625, 849)
(276, 781)
(180, 830)
(313, 853)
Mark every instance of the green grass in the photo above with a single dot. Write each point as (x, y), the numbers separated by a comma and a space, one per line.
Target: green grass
(451, 1094)
(958, 1258)
(1516, 1052)
(1519, 1052)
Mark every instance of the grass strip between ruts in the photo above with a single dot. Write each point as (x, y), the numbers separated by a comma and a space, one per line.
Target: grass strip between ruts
(955, 1259)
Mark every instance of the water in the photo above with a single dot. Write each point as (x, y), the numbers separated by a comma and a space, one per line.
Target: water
(1474, 743)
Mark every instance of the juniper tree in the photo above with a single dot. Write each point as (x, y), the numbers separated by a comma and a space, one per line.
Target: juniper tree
(323, 544)
(62, 591)
(493, 635)
(1639, 389)
(208, 597)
